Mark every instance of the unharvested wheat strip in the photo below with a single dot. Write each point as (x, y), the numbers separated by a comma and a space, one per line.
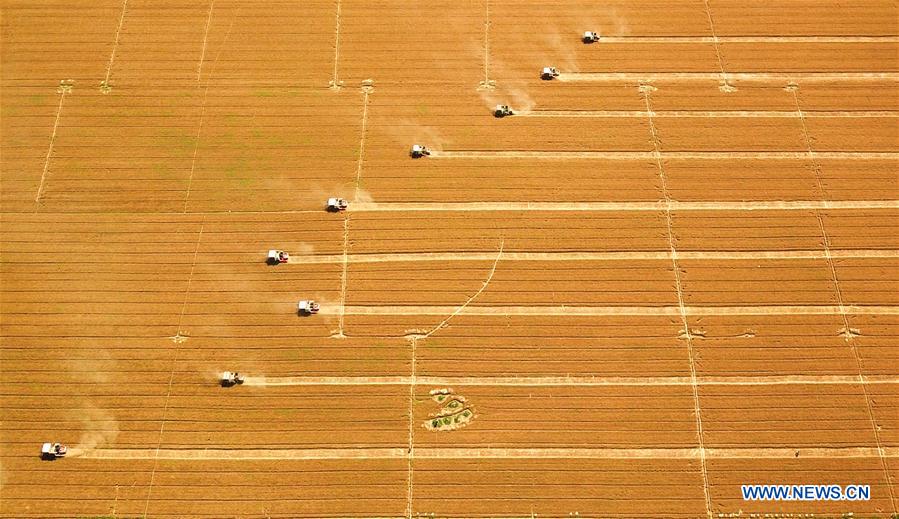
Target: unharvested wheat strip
(489, 453)
(700, 114)
(588, 256)
(762, 205)
(613, 310)
(637, 77)
(579, 381)
(650, 155)
(749, 39)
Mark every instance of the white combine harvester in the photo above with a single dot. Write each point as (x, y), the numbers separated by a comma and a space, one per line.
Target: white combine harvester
(231, 379)
(590, 37)
(549, 72)
(337, 204)
(502, 111)
(419, 151)
(51, 451)
(276, 257)
(307, 307)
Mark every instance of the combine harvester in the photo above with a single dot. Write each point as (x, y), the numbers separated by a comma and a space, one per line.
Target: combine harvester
(335, 205)
(276, 257)
(419, 151)
(52, 451)
(231, 379)
(548, 73)
(502, 111)
(307, 307)
(590, 37)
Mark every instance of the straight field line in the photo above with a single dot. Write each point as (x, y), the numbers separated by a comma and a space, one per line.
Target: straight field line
(749, 39)
(762, 205)
(590, 256)
(650, 155)
(778, 77)
(708, 114)
(490, 453)
(575, 381)
(575, 311)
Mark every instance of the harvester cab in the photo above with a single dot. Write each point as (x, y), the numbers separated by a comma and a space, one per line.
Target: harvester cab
(307, 307)
(502, 111)
(337, 204)
(548, 73)
(231, 379)
(276, 257)
(590, 37)
(51, 451)
(419, 151)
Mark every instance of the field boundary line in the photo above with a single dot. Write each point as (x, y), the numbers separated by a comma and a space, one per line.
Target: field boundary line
(104, 85)
(848, 332)
(63, 90)
(690, 453)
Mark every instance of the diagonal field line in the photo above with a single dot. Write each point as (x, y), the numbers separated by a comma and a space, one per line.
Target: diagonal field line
(168, 393)
(673, 453)
(205, 40)
(464, 305)
(725, 84)
(366, 91)
(40, 187)
(115, 45)
(849, 336)
(646, 91)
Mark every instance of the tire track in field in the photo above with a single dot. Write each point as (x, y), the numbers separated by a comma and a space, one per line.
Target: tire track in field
(489, 453)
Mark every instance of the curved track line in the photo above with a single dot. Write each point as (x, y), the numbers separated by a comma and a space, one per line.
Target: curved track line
(473, 297)
(490, 453)
(764, 205)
